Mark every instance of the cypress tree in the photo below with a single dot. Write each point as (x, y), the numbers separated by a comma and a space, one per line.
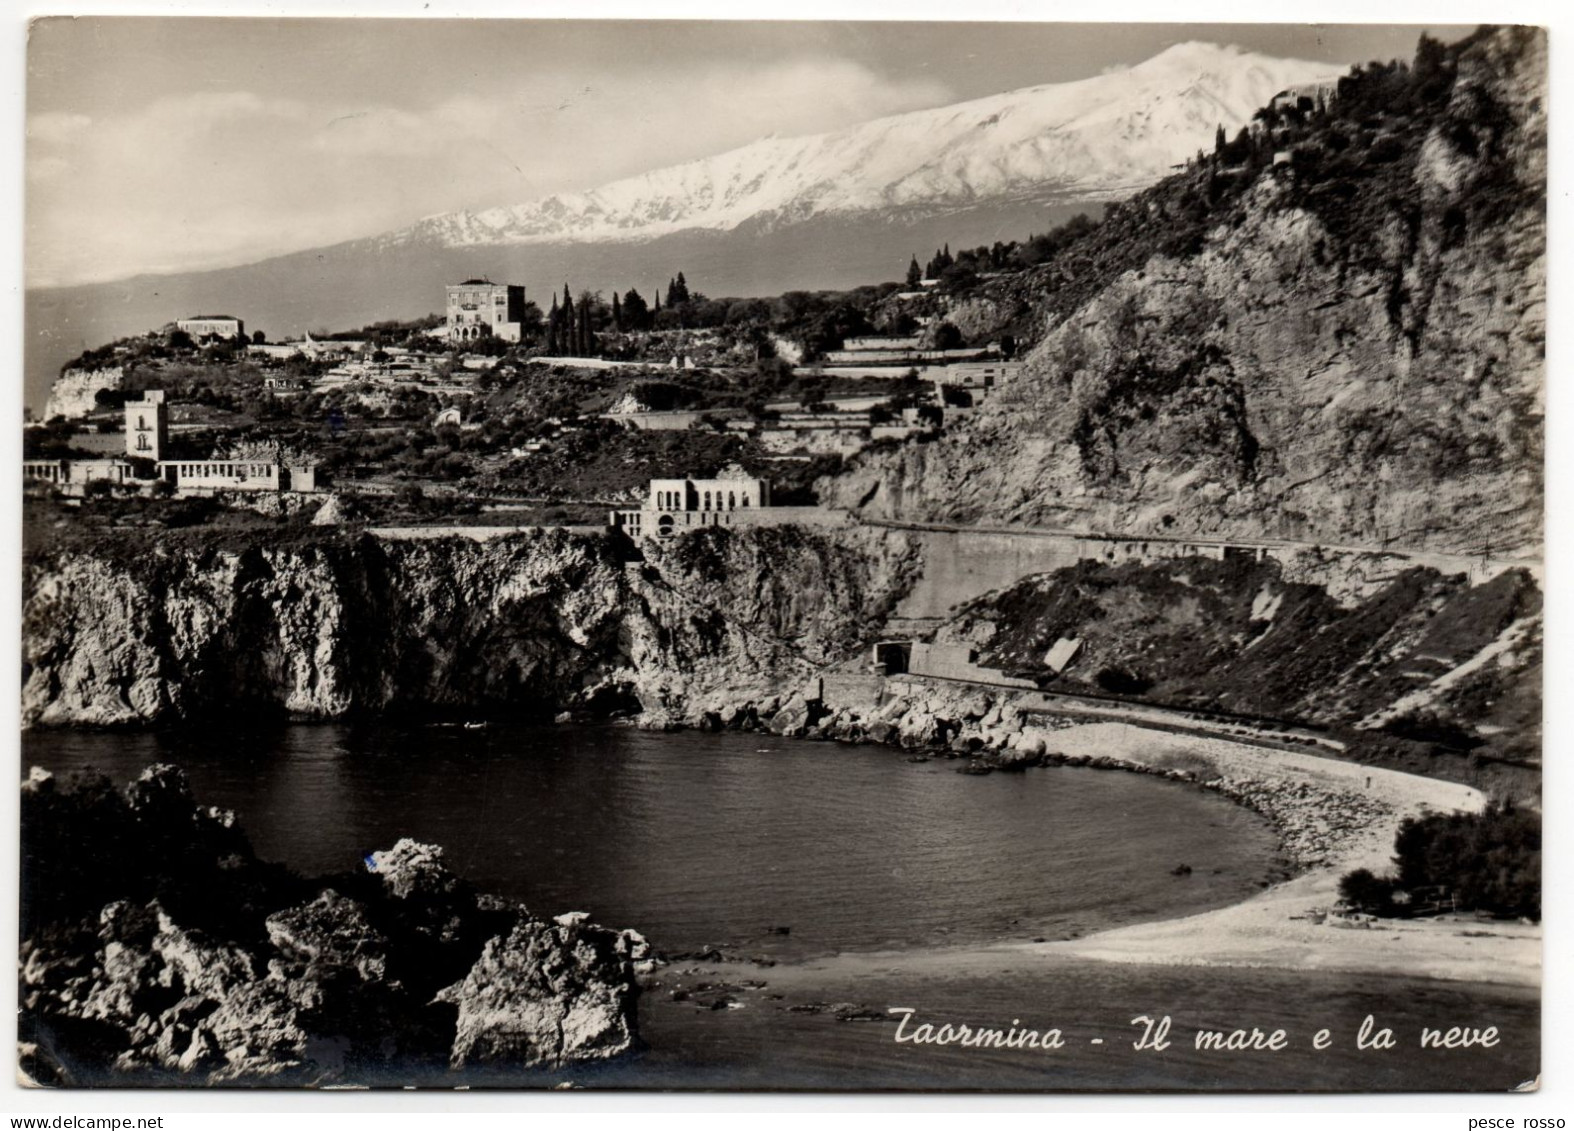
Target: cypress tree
(587, 303)
(915, 274)
(617, 312)
(635, 311)
(570, 336)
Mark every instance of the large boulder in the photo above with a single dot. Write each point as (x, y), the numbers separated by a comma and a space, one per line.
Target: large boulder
(919, 728)
(186, 1002)
(411, 868)
(546, 994)
(326, 937)
(794, 718)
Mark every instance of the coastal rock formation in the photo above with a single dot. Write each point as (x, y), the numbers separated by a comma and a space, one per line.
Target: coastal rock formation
(75, 392)
(540, 996)
(157, 946)
(542, 621)
(1348, 350)
(766, 629)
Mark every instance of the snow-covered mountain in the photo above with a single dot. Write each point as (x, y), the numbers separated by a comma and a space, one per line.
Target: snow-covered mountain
(832, 210)
(1095, 139)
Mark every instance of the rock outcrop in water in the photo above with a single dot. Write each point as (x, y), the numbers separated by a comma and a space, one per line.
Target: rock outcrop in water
(329, 627)
(157, 947)
(1349, 349)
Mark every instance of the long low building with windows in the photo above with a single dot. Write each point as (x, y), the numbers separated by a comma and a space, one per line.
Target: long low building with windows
(73, 475)
(256, 467)
(237, 475)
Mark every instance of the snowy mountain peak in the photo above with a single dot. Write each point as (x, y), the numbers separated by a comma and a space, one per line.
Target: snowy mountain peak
(1195, 52)
(1093, 139)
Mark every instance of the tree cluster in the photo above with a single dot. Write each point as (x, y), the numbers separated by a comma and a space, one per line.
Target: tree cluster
(1488, 861)
(571, 328)
(938, 263)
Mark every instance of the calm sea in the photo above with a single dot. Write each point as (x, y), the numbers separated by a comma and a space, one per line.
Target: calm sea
(724, 840)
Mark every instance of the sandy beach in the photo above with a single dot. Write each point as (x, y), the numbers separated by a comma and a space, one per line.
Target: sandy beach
(1332, 816)
(1288, 925)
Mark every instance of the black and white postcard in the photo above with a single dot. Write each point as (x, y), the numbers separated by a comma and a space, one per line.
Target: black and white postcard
(782, 555)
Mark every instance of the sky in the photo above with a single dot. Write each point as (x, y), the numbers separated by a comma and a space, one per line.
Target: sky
(159, 144)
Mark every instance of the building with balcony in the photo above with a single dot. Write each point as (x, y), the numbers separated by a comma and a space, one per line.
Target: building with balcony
(480, 308)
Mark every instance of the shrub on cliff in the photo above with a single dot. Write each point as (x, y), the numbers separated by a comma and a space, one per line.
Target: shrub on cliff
(1365, 891)
(1119, 681)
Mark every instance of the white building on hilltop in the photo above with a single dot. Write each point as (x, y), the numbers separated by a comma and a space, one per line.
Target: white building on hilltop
(201, 326)
(479, 308)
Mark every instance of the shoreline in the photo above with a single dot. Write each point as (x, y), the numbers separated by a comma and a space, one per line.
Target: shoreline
(1290, 925)
(1331, 816)
(1287, 926)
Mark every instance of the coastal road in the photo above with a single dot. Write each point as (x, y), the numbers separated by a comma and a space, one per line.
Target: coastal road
(1466, 562)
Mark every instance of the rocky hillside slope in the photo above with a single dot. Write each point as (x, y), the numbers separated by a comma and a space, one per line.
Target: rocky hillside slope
(328, 627)
(1332, 330)
(1426, 658)
(157, 949)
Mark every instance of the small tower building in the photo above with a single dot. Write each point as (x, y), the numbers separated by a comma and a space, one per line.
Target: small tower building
(147, 426)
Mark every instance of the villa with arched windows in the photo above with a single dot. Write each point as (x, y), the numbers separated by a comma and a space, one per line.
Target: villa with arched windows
(708, 495)
(676, 504)
(733, 499)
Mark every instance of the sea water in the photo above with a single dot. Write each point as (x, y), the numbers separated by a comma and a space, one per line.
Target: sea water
(795, 853)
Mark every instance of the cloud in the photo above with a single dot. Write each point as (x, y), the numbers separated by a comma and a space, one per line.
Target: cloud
(56, 127)
(210, 178)
(212, 109)
(619, 110)
(42, 170)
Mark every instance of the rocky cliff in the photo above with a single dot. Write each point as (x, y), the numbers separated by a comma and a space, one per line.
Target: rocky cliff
(1332, 330)
(329, 626)
(157, 948)
(75, 392)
